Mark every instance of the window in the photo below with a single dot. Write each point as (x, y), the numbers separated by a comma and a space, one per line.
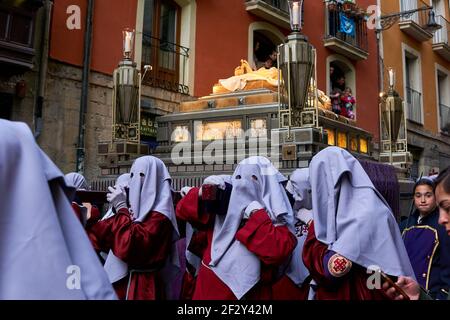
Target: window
(160, 45)
(258, 128)
(264, 39)
(341, 75)
(443, 83)
(413, 86)
(263, 48)
(221, 130)
(180, 134)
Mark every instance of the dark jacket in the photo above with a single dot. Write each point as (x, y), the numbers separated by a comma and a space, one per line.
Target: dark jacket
(428, 247)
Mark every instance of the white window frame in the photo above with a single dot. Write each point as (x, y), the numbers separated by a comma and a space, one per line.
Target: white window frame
(261, 26)
(440, 69)
(187, 36)
(411, 51)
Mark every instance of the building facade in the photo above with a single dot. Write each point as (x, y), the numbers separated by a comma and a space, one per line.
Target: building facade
(421, 60)
(191, 44)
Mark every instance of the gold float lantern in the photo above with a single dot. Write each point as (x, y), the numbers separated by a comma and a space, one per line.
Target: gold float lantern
(126, 95)
(394, 144)
(296, 60)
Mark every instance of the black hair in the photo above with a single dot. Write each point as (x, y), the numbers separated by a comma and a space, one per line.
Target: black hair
(444, 179)
(425, 181)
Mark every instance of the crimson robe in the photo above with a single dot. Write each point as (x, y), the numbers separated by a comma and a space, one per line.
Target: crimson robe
(142, 245)
(286, 289)
(197, 246)
(351, 286)
(95, 214)
(271, 244)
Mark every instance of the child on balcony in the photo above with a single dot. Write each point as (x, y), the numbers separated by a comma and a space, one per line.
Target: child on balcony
(348, 102)
(335, 97)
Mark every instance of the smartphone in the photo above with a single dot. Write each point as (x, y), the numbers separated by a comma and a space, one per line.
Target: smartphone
(215, 199)
(392, 280)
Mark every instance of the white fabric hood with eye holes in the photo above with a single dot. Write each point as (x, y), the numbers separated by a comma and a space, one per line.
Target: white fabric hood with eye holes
(237, 267)
(351, 216)
(150, 190)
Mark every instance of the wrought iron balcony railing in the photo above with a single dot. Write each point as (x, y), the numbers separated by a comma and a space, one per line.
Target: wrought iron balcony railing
(414, 105)
(442, 35)
(279, 4)
(341, 21)
(169, 63)
(420, 17)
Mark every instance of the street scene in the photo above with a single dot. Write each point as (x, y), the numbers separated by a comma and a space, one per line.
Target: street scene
(227, 150)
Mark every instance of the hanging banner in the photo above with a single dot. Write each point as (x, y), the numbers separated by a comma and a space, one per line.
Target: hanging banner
(347, 25)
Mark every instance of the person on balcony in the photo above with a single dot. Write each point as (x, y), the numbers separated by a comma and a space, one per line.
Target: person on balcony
(348, 102)
(335, 97)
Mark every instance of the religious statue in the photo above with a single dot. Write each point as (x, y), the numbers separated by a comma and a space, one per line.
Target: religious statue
(244, 73)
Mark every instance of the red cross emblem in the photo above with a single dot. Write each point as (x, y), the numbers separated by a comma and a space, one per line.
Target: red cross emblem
(339, 266)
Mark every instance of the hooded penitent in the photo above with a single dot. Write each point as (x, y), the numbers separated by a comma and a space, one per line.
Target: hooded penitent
(300, 188)
(351, 217)
(44, 250)
(255, 179)
(150, 190)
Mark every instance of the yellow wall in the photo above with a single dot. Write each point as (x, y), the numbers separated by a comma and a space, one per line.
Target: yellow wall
(393, 57)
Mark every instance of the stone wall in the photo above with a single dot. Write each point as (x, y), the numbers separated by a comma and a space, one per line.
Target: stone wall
(61, 108)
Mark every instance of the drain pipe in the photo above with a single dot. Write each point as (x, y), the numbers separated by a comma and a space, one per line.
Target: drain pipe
(85, 88)
(39, 102)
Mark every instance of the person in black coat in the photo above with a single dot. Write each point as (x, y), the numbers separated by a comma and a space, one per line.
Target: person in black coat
(427, 242)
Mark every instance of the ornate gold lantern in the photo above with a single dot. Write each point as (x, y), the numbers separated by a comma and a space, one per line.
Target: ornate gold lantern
(126, 95)
(394, 144)
(297, 90)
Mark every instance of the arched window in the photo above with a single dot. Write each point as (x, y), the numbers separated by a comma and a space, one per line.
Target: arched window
(263, 41)
(341, 75)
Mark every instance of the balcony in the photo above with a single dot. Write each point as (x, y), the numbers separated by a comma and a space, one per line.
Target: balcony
(440, 40)
(17, 34)
(169, 62)
(346, 31)
(274, 11)
(414, 105)
(444, 111)
(415, 24)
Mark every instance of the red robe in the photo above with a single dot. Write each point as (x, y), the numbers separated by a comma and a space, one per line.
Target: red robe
(351, 286)
(197, 246)
(271, 244)
(95, 215)
(286, 289)
(142, 245)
